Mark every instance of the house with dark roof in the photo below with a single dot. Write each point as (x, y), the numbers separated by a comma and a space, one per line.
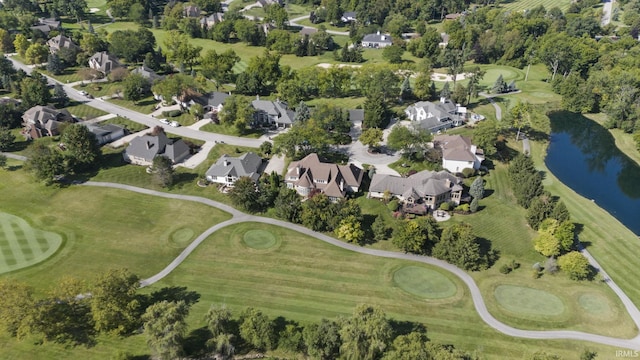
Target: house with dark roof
(59, 42)
(434, 116)
(147, 73)
(228, 169)
(458, 153)
(106, 133)
(269, 113)
(103, 62)
(211, 20)
(213, 101)
(348, 16)
(191, 11)
(143, 149)
(335, 181)
(40, 121)
(46, 25)
(427, 188)
(376, 41)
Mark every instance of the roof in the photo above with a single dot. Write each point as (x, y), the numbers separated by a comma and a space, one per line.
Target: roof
(277, 109)
(356, 115)
(214, 99)
(245, 165)
(212, 19)
(308, 31)
(438, 114)
(102, 130)
(377, 38)
(349, 14)
(334, 179)
(147, 73)
(43, 114)
(105, 61)
(61, 41)
(423, 183)
(149, 146)
(455, 147)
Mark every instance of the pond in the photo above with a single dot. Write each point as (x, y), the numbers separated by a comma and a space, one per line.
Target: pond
(583, 155)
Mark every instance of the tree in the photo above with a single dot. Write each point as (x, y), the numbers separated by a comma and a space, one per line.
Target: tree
(218, 320)
(45, 163)
(132, 45)
(6, 43)
(411, 346)
(287, 205)
(322, 340)
(575, 265)
(365, 335)
(179, 85)
(3, 157)
(163, 173)
(416, 236)
(314, 212)
(411, 142)
(16, 305)
(36, 54)
(277, 15)
(371, 137)
(477, 188)
(302, 112)
(379, 229)
(473, 207)
(76, 9)
(485, 136)
(350, 230)
(136, 87)
(219, 67)
(257, 329)
(180, 51)
(525, 180)
(114, 305)
(375, 112)
(54, 64)
(7, 140)
(92, 43)
(460, 247)
(165, 326)
(21, 44)
(500, 86)
(266, 148)
(476, 74)
(290, 339)
(393, 54)
(243, 194)
(34, 90)
(446, 91)
(82, 147)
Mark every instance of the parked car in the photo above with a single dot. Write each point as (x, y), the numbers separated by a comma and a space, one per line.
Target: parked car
(83, 93)
(165, 121)
(175, 124)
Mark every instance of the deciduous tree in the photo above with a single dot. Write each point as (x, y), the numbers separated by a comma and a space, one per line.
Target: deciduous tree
(257, 329)
(288, 205)
(82, 149)
(7, 139)
(371, 137)
(114, 305)
(45, 163)
(36, 54)
(366, 334)
(322, 340)
(244, 194)
(575, 265)
(416, 236)
(165, 326)
(350, 230)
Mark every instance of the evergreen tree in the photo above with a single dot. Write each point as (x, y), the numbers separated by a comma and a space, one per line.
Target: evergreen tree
(499, 86)
(446, 91)
(405, 89)
(54, 64)
(302, 112)
(60, 96)
(379, 229)
(477, 188)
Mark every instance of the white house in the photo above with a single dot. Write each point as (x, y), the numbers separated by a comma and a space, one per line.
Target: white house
(435, 116)
(458, 153)
(376, 41)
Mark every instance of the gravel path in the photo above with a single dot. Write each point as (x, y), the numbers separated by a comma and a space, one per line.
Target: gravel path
(478, 301)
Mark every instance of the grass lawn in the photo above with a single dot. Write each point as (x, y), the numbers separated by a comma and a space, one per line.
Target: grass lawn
(230, 130)
(100, 89)
(624, 141)
(145, 106)
(522, 5)
(85, 112)
(345, 103)
(126, 123)
(305, 280)
(307, 22)
(69, 74)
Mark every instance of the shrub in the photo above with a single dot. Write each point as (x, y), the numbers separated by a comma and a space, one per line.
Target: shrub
(464, 208)
(393, 205)
(445, 206)
(514, 264)
(171, 113)
(505, 269)
(468, 172)
(536, 274)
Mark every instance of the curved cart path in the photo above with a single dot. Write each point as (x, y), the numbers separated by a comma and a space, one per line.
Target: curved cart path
(478, 301)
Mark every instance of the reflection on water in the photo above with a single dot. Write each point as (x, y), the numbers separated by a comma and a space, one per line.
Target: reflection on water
(583, 155)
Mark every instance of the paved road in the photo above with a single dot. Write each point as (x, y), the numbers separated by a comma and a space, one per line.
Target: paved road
(495, 105)
(607, 9)
(14, 156)
(294, 22)
(478, 301)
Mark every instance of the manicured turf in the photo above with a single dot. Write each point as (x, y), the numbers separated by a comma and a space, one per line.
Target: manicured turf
(259, 239)
(126, 123)
(528, 301)
(595, 305)
(21, 245)
(522, 5)
(424, 282)
(181, 237)
(85, 112)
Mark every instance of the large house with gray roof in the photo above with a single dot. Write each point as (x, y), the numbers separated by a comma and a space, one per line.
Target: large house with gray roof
(106, 133)
(228, 169)
(434, 116)
(269, 113)
(103, 62)
(40, 121)
(458, 153)
(376, 41)
(428, 188)
(336, 181)
(143, 149)
(147, 73)
(61, 42)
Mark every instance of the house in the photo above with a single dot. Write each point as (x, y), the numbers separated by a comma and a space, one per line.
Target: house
(229, 169)
(143, 149)
(435, 117)
(211, 20)
(46, 25)
(307, 31)
(106, 133)
(428, 188)
(212, 104)
(454, 16)
(147, 73)
(59, 42)
(103, 62)
(458, 153)
(348, 16)
(191, 11)
(376, 41)
(336, 181)
(40, 121)
(269, 113)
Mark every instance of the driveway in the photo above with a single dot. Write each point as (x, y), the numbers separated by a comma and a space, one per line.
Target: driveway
(276, 163)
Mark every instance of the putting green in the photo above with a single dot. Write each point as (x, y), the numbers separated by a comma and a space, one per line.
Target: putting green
(508, 74)
(21, 245)
(259, 239)
(528, 301)
(424, 282)
(181, 237)
(596, 304)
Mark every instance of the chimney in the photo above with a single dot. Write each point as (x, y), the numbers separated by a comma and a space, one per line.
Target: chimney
(443, 99)
(148, 145)
(226, 162)
(298, 170)
(342, 185)
(378, 33)
(383, 37)
(257, 97)
(229, 93)
(447, 183)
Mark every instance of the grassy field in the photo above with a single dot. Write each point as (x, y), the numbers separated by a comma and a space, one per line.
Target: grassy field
(522, 5)
(83, 111)
(126, 123)
(305, 280)
(230, 130)
(624, 141)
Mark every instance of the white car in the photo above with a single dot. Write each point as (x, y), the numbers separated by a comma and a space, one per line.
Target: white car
(83, 93)
(165, 121)
(175, 124)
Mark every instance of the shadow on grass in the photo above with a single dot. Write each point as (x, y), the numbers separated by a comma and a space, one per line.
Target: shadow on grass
(195, 343)
(403, 327)
(173, 294)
